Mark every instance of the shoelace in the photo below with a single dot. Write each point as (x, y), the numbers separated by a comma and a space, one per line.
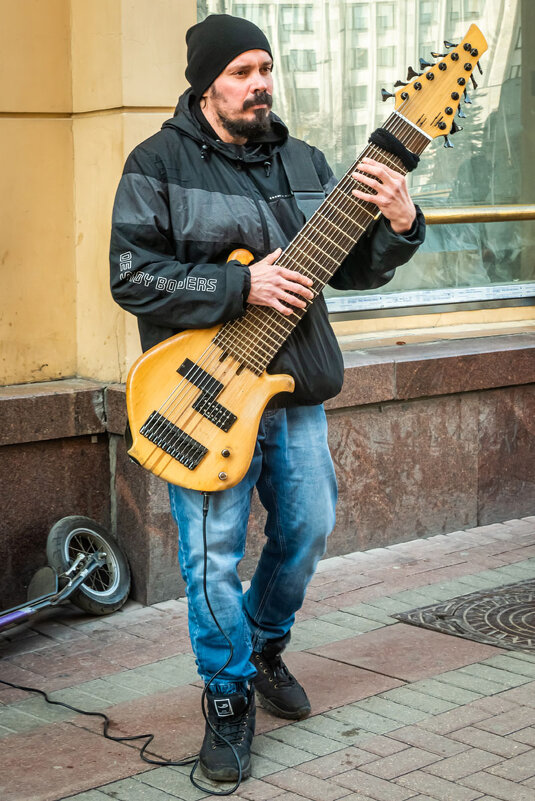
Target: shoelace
(280, 671)
(233, 731)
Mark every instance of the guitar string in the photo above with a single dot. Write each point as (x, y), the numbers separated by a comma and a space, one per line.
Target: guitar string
(343, 183)
(339, 186)
(326, 248)
(213, 404)
(299, 313)
(339, 235)
(320, 232)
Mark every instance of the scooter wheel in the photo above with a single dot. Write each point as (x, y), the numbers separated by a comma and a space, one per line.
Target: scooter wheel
(107, 588)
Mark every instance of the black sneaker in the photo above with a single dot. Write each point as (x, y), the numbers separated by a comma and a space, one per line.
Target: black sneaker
(278, 691)
(233, 716)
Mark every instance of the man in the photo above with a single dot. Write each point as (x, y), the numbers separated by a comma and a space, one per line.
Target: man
(211, 180)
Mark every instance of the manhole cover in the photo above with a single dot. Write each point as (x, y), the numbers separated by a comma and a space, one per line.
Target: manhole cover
(504, 616)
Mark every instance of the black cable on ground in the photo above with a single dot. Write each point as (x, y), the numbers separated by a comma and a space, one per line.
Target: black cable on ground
(150, 737)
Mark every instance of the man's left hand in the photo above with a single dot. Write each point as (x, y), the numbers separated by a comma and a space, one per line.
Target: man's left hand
(392, 198)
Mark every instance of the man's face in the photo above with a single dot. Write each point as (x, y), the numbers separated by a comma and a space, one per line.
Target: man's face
(241, 97)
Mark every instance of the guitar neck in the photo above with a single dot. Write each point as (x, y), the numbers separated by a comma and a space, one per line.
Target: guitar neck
(317, 251)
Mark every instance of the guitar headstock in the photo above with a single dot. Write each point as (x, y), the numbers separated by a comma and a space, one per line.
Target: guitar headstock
(431, 99)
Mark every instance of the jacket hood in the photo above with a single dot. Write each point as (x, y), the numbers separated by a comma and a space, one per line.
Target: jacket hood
(185, 121)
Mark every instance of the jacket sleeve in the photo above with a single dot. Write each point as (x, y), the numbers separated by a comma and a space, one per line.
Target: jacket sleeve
(373, 260)
(146, 277)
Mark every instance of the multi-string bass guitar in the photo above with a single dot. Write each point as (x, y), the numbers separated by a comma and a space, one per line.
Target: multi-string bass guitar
(195, 401)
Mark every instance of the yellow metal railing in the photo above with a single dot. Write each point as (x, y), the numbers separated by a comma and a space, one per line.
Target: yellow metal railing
(475, 214)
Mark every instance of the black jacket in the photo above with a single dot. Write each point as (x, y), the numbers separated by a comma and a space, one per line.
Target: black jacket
(186, 200)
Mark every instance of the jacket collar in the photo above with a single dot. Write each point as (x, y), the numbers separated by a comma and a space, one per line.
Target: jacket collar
(189, 120)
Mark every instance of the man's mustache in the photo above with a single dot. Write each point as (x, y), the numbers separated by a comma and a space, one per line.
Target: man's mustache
(259, 99)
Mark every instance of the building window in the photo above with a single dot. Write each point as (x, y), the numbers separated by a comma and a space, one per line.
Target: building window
(359, 18)
(358, 96)
(472, 9)
(307, 100)
(386, 16)
(386, 56)
(298, 19)
(355, 136)
(253, 12)
(302, 60)
(454, 10)
(428, 10)
(359, 58)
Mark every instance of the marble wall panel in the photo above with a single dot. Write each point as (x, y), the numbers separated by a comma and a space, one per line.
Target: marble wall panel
(506, 454)
(40, 483)
(51, 410)
(404, 470)
(145, 529)
(474, 364)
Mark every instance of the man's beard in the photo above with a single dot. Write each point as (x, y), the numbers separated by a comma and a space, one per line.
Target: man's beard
(249, 129)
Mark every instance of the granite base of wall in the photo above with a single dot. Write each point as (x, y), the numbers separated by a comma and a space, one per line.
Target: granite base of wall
(40, 483)
(405, 470)
(426, 439)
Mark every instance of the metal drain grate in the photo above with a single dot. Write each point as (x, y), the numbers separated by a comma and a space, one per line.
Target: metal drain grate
(504, 617)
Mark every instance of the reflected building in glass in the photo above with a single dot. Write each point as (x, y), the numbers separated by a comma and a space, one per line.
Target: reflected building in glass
(333, 57)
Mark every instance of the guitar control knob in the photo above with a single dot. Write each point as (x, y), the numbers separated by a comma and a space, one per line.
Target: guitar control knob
(222, 476)
(225, 453)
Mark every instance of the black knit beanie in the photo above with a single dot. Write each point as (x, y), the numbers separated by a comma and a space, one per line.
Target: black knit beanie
(214, 43)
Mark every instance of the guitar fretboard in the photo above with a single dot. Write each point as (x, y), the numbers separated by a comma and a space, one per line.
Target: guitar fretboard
(317, 251)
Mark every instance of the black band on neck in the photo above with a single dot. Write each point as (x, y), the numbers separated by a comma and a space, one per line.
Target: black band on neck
(387, 141)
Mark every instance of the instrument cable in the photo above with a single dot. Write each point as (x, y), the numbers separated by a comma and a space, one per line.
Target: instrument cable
(150, 737)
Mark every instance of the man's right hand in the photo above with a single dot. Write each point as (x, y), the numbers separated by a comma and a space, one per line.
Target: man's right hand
(272, 285)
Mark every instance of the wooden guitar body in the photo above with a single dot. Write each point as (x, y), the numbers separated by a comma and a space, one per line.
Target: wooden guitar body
(195, 401)
(155, 386)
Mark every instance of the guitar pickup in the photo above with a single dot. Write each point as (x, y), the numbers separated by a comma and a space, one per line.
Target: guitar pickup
(200, 378)
(214, 412)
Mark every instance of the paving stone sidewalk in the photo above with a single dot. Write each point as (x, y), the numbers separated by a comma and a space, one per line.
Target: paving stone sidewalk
(398, 712)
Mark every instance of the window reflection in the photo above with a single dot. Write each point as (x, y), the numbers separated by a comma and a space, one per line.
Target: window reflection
(333, 58)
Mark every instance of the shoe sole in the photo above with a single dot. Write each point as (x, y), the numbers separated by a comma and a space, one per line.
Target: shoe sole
(268, 705)
(226, 774)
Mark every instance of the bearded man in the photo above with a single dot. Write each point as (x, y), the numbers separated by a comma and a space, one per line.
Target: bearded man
(211, 180)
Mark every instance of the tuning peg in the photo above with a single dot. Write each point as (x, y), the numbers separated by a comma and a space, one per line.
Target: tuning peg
(460, 113)
(439, 55)
(467, 98)
(455, 128)
(385, 95)
(400, 83)
(448, 45)
(447, 142)
(474, 84)
(424, 64)
(478, 65)
(412, 74)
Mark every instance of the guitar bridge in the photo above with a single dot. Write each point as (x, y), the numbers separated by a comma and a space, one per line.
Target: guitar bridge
(171, 439)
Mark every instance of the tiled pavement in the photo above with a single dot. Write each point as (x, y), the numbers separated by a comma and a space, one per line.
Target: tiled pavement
(398, 712)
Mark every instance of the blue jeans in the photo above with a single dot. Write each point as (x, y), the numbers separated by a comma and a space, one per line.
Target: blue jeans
(293, 471)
